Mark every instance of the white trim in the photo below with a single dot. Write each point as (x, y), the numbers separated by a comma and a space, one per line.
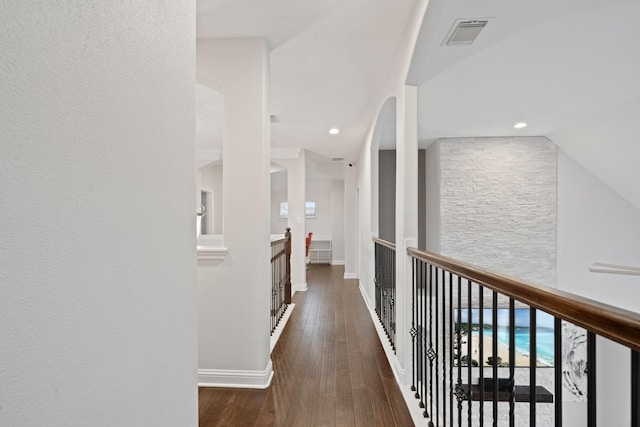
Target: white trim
(235, 379)
(365, 297)
(278, 331)
(337, 262)
(350, 275)
(212, 252)
(299, 287)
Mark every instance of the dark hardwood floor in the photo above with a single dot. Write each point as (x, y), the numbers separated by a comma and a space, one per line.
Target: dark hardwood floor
(330, 368)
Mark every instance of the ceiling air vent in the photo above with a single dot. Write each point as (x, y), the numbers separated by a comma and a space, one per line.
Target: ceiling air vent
(275, 119)
(337, 159)
(464, 32)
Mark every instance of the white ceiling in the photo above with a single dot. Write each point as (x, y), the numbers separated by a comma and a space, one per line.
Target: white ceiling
(568, 68)
(330, 61)
(561, 66)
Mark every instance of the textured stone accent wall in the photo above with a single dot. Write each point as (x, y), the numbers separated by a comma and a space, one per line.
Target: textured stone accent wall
(498, 205)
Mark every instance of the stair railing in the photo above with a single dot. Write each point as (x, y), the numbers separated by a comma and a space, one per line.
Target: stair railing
(467, 365)
(280, 278)
(385, 286)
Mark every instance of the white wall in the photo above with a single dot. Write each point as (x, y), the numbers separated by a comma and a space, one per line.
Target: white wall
(351, 223)
(387, 194)
(211, 180)
(613, 162)
(236, 290)
(328, 224)
(432, 188)
(97, 221)
(297, 221)
(321, 225)
(498, 205)
(337, 223)
(595, 224)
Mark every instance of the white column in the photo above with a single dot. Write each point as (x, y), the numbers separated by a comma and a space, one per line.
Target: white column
(296, 196)
(97, 214)
(337, 222)
(351, 237)
(406, 219)
(234, 294)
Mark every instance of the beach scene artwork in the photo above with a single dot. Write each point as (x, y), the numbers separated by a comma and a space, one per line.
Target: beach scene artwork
(475, 331)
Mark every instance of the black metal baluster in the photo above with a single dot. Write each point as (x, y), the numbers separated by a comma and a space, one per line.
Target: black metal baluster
(557, 369)
(387, 286)
(383, 288)
(450, 329)
(443, 353)
(469, 343)
(532, 366)
(431, 339)
(434, 353)
(376, 277)
(423, 359)
(393, 299)
(422, 336)
(273, 304)
(591, 379)
(512, 362)
(635, 389)
(481, 351)
(494, 351)
(413, 330)
(459, 392)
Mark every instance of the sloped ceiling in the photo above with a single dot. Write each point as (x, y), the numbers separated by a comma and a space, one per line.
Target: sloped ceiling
(569, 69)
(330, 61)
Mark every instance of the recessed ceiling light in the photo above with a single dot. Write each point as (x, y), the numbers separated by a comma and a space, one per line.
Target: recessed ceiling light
(520, 125)
(334, 131)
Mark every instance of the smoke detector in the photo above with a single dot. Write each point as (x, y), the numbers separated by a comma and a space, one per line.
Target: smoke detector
(463, 32)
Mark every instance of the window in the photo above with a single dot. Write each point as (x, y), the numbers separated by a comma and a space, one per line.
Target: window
(309, 209)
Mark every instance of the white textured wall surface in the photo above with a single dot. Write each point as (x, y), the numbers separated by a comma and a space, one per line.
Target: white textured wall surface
(595, 224)
(211, 180)
(387, 195)
(498, 203)
(432, 189)
(337, 223)
(97, 230)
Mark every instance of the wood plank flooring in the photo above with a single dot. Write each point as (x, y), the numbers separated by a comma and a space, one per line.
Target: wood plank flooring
(330, 368)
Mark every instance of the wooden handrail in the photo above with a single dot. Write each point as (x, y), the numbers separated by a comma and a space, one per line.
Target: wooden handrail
(386, 243)
(614, 323)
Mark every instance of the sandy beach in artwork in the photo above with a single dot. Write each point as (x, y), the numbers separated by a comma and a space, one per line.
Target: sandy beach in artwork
(522, 360)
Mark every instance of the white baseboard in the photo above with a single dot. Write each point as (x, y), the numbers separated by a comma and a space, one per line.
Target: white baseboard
(350, 275)
(337, 262)
(235, 379)
(299, 287)
(278, 331)
(365, 298)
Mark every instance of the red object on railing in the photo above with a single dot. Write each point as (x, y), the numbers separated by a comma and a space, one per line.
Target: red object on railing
(308, 242)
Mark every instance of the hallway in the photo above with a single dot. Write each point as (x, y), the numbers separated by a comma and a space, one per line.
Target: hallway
(330, 368)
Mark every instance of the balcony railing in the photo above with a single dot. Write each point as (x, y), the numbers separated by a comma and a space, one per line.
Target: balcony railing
(385, 286)
(467, 331)
(280, 278)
